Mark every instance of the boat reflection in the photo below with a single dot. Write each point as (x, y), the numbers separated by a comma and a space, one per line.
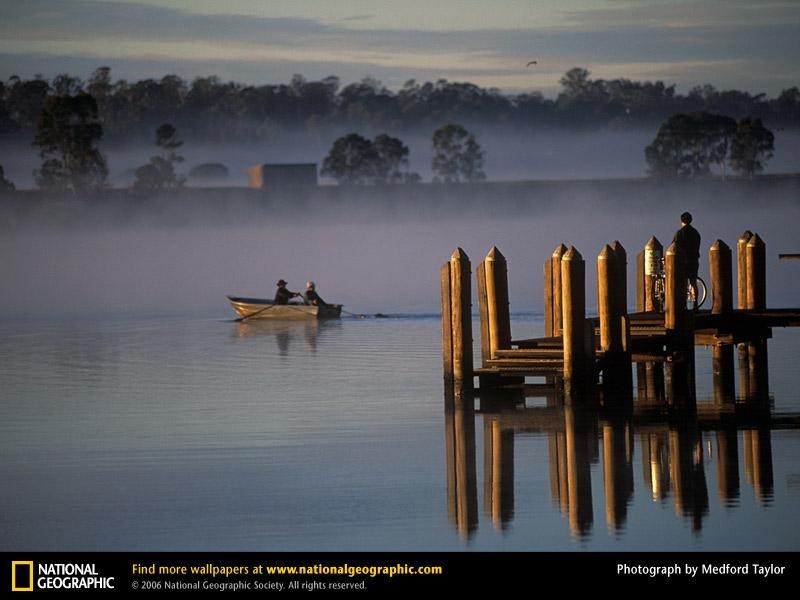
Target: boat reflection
(669, 423)
(286, 332)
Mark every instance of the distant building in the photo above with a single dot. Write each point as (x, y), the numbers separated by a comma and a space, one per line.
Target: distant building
(288, 176)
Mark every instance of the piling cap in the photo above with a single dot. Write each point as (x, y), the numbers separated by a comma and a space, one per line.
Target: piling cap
(672, 249)
(718, 245)
(559, 251)
(653, 243)
(755, 241)
(606, 253)
(617, 247)
(495, 255)
(746, 235)
(458, 254)
(572, 254)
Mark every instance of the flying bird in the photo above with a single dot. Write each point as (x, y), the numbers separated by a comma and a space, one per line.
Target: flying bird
(533, 62)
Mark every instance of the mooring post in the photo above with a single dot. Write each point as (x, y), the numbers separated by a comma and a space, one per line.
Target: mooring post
(741, 269)
(608, 309)
(573, 296)
(720, 267)
(457, 321)
(679, 372)
(653, 251)
(674, 291)
(552, 292)
(612, 313)
(756, 273)
(621, 277)
(492, 277)
(639, 277)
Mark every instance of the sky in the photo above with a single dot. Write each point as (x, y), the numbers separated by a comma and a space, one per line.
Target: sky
(729, 43)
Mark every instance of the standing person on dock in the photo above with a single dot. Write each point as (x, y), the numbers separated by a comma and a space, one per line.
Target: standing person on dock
(282, 295)
(687, 239)
(311, 297)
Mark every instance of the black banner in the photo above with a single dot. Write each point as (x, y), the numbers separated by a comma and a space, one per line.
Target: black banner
(145, 573)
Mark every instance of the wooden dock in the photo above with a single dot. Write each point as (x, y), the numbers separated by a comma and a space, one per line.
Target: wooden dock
(577, 353)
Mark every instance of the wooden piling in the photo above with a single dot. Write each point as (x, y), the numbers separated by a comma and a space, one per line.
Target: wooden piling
(457, 321)
(621, 277)
(674, 290)
(639, 301)
(720, 267)
(756, 273)
(741, 269)
(573, 297)
(552, 292)
(496, 328)
(653, 251)
(608, 309)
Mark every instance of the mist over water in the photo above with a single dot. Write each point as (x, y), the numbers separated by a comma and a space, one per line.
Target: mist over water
(377, 251)
(509, 155)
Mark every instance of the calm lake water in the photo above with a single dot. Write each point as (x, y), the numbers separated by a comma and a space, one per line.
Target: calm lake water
(197, 433)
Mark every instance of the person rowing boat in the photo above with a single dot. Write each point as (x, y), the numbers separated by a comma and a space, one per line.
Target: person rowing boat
(282, 294)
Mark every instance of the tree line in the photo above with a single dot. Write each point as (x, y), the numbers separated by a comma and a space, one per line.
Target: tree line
(69, 127)
(688, 145)
(208, 108)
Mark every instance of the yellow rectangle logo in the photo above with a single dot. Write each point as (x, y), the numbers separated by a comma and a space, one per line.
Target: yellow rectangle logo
(18, 566)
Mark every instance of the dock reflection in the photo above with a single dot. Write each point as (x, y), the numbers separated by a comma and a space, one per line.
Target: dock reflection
(679, 438)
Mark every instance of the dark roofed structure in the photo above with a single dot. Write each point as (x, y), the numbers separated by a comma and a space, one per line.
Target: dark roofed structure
(283, 176)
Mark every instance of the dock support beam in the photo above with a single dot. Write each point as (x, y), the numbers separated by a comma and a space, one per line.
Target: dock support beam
(492, 276)
(573, 295)
(608, 309)
(680, 331)
(675, 313)
(612, 313)
(552, 292)
(756, 273)
(646, 267)
(457, 322)
(720, 267)
(741, 270)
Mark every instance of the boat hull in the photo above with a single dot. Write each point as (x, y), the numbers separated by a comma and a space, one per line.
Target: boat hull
(258, 308)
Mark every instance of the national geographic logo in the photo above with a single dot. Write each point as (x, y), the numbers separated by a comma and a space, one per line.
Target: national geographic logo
(57, 576)
(21, 575)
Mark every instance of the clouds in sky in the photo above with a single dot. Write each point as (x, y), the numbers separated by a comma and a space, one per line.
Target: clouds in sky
(729, 43)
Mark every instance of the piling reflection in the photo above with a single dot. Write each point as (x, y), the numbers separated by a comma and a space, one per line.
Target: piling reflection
(462, 493)
(683, 442)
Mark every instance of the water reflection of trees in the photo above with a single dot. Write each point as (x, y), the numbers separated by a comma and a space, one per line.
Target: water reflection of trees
(665, 416)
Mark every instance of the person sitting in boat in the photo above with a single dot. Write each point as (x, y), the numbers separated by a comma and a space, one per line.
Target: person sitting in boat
(311, 297)
(282, 295)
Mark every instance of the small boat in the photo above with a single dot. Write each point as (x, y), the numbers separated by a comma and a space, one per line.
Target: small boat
(259, 308)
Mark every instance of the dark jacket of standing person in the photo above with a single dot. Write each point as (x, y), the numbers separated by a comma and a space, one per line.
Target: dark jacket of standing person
(311, 297)
(687, 242)
(282, 295)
